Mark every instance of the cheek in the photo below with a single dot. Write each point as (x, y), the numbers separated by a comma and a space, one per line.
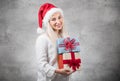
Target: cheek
(62, 21)
(51, 23)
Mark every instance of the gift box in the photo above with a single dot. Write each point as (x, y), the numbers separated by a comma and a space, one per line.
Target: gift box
(68, 50)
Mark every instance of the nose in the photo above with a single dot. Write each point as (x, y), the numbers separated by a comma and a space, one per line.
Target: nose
(57, 21)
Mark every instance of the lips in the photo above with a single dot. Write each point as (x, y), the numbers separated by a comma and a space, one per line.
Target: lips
(58, 25)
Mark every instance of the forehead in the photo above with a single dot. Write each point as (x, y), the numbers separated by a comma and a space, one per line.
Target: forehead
(56, 14)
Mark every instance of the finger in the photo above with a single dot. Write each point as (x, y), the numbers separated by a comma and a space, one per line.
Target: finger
(68, 73)
(67, 70)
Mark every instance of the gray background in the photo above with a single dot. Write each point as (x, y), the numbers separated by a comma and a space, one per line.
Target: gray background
(95, 22)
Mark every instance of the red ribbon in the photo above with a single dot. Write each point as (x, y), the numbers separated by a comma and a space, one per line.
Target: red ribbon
(69, 44)
(74, 63)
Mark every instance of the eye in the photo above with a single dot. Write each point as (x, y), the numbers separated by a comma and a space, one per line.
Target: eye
(59, 17)
(53, 19)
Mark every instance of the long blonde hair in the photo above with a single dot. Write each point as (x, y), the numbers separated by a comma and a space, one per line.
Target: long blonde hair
(52, 34)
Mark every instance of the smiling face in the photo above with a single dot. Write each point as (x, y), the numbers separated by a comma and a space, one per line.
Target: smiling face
(56, 21)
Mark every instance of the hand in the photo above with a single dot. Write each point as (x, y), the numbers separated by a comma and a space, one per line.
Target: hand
(64, 71)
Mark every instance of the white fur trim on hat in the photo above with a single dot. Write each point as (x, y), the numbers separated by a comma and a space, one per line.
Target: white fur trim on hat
(49, 14)
(39, 30)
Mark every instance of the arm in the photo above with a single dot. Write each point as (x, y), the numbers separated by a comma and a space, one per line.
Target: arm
(64, 71)
(41, 53)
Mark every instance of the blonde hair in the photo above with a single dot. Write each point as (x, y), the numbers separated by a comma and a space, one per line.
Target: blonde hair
(52, 34)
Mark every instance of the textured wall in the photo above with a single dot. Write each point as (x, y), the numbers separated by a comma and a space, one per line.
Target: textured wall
(96, 22)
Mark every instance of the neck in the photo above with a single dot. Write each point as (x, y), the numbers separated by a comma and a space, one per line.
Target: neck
(58, 34)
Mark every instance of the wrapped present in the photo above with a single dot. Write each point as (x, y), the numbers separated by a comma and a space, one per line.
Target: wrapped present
(68, 53)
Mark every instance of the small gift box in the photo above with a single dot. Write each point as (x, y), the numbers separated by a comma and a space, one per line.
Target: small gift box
(68, 53)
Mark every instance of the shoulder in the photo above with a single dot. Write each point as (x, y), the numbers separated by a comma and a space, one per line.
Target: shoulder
(42, 37)
(42, 40)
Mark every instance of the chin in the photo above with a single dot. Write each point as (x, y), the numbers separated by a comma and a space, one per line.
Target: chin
(59, 29)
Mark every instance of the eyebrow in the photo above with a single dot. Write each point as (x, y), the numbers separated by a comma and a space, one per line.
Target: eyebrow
(58, 16)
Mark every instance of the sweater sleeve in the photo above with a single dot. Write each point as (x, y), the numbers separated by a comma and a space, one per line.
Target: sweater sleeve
(42, 57)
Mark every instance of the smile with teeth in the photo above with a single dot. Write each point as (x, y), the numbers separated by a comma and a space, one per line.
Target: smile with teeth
(58, 25)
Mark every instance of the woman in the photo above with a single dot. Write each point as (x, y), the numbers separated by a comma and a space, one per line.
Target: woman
(50, 17)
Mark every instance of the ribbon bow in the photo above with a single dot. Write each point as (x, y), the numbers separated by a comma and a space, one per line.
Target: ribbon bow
(74, 64)
(69, 44)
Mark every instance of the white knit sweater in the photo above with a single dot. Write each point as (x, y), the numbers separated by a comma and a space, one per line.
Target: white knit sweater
(47, 60)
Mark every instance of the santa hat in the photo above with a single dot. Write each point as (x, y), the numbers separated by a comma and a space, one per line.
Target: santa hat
(44, 14)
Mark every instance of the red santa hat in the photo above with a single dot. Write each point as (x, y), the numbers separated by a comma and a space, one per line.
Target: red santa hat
(44, 14)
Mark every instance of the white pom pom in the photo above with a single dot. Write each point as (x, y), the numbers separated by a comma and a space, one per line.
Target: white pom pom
(40, 31)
